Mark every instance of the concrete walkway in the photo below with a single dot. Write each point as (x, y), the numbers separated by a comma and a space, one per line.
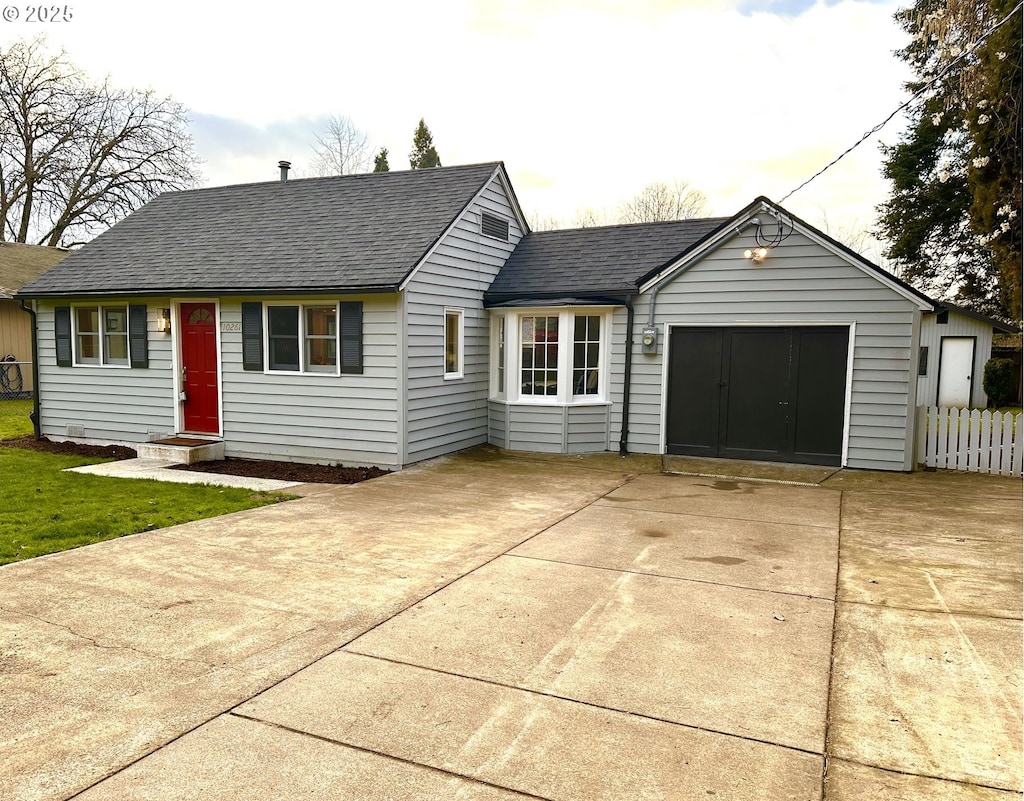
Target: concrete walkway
(505, 626)
(160, 470)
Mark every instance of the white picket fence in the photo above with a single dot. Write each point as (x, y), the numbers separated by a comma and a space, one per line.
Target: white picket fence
(970, 439)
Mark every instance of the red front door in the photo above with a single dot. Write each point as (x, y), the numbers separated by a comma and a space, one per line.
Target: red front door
(199, 368)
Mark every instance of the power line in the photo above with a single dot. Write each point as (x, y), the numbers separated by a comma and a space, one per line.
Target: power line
(941, 74)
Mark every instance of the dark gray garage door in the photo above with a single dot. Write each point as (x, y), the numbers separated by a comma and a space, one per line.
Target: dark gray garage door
(776, 394)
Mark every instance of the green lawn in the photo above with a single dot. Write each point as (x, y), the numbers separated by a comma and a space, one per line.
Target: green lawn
(14, 419)
(44, 510)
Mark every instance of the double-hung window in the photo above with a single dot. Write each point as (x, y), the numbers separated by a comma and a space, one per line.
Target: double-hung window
(303, 338)
(101, 335)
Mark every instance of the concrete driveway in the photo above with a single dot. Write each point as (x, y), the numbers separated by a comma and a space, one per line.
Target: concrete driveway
(494, 626)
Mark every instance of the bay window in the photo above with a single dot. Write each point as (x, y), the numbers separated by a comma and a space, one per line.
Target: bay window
(550, 356)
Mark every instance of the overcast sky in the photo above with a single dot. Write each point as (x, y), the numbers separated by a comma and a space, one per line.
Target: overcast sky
(586, 101)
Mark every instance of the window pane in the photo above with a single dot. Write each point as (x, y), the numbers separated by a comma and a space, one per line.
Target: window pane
(88, 347)
(321, 338)
(283, 337)
(284, 353)
(115, 334)
(501, 354)
(283, 320)
(87, 324)
(586, 356)
(451, 342)
(115, 320)
(321, 321)
(539, 366)
(88, 320)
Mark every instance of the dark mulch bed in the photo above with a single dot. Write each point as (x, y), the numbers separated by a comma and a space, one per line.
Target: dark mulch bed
(253, 468)
(30, 443)
(287, 471)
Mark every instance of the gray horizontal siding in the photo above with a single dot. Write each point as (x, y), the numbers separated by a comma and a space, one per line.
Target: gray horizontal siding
(800, 283)
(348, 419)
(549, 429)
(112, 404)
(536, 428)
(586, 429)
(497, 424)
(442, 416)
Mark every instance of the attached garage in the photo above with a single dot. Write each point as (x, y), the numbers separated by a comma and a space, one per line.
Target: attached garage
(769, 393)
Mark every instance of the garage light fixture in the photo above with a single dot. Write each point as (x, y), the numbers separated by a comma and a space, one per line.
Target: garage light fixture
(163, 321)
(756, 255)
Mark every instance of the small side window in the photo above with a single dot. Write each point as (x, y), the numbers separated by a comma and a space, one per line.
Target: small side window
(922, 360)
(453, 343)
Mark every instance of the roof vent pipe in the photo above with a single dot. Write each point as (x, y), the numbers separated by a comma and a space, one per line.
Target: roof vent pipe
(285, 166)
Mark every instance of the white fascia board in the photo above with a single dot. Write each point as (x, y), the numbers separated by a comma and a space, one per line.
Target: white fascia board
(498, 172)
(736, 226)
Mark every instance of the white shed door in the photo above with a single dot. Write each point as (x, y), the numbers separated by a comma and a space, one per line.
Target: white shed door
(956, 365)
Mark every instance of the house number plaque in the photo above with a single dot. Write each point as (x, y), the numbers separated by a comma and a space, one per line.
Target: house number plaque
(230, 328)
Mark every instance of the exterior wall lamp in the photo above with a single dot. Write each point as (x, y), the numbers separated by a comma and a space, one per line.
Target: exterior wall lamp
(163, 321)
(756, 255)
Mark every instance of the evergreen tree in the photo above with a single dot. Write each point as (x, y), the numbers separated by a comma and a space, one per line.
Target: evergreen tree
(423, 152)
(954, 219)
(380, 161)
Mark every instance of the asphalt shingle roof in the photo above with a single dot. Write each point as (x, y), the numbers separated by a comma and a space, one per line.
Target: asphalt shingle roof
(21, 263)
(353, 232)
(594, 261)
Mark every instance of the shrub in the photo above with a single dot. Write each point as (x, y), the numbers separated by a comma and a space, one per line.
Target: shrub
(1000, 382)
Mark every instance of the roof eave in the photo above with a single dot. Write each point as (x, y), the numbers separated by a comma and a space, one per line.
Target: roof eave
(361, 289)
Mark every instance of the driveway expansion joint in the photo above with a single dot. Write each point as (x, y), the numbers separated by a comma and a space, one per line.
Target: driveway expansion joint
(385, 755)
(589, 704)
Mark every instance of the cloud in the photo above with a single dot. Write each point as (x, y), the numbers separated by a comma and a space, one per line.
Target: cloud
(586, 101)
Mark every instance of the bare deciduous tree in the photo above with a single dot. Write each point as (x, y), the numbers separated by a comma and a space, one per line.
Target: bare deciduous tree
(590, 217)
(342, 149)
(661, 201)
(76, 156)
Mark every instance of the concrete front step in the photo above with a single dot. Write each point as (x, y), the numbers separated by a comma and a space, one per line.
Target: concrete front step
(180, 450)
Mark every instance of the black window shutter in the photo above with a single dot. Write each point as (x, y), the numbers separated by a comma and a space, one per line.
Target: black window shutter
(138, 338)
(252, 336)
(352, 337)
(62, 334)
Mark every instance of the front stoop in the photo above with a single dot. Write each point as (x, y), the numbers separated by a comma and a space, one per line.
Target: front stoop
(181, 450)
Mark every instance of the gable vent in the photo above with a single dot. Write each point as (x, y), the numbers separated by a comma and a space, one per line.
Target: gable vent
(494, 226)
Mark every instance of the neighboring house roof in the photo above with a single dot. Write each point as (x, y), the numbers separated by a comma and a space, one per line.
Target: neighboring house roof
(361, 232)
(588, 263)
(20, 264)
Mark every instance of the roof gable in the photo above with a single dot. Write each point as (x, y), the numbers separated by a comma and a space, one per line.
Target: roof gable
(763, 205)
(363, 232)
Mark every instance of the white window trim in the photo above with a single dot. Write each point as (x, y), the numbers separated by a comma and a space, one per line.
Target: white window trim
(303, 367)
(496, 391)
(461, 342)
(513, 354)
(75, 356)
